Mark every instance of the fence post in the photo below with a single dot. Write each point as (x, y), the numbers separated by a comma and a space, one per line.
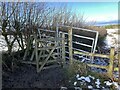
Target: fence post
(70, 45)
(119, 65)
(111, 62)
(36, 53)
(63, 48)
(56, 41)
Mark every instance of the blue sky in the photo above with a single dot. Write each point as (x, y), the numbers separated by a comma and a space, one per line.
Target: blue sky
(94, 11)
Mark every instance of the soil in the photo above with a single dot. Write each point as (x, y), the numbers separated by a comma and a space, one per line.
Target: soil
(26, 77)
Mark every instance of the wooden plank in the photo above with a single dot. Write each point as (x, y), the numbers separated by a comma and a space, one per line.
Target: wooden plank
(98, 66)
(33, 54)
(36, 53)
(45, 55)
(46, 59)
(94, 65)
(28, 47)
(63, 49)
(49, 67)
(119, 65)
(57, 39)
(111, 62)
(49, 39)
(39, 56)
(70, 45)
(26, 51)
(40, 63)
(46, 48)
(92, 54)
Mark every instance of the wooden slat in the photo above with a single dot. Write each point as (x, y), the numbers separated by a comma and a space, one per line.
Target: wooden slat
(39, 55)
(63, 49)
(48, 54)
(40, 63)
(119, 65)
(70, 45)
(49, 51)
(36, 53)
(91, 54)
(98, 66)
(49, 67)
(50, 39)
(33, 54)
(111, 62)
(94, 65)
(46, 59)
(46, 48)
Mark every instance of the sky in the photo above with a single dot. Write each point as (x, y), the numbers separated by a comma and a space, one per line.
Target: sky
(94, 11)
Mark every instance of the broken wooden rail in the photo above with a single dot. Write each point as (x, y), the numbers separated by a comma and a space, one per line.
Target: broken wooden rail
(45, 50)
(60, 39)
(111, 57)
(109, 68)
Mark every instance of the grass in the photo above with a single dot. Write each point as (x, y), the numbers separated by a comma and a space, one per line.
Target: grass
(111, 26)
(82, 69)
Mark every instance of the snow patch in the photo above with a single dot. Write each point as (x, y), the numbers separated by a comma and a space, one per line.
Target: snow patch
(63, 88)
(92, 77)
(90, 87)
(78, 88)
(77, 76)
(108, 83)
(87, 79)
(84, 78)
(75, 83)
(98, 82)
(97, 86)
(81, 78)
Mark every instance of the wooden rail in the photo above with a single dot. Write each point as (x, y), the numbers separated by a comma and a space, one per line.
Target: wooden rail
(47, 50)
(111, 57)
(59, 43)
(109, 68)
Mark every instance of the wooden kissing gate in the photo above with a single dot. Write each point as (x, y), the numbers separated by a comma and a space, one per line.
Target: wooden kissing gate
(49, 51)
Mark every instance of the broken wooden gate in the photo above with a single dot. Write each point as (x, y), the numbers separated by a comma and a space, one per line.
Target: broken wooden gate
(48, 49)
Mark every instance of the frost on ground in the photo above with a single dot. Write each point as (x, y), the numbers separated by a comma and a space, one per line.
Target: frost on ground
(91, 82)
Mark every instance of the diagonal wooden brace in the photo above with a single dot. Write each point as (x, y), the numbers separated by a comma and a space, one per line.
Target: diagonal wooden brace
(46, 59)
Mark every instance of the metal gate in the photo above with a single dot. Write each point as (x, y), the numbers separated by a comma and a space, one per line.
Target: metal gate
(81, 41)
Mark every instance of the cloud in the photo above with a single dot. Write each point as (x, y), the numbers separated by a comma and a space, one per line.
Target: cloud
(103, 18)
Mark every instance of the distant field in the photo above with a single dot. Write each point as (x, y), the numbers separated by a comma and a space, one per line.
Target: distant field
(112, 26)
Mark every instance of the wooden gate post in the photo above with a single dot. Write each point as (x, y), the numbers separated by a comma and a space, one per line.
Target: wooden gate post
(111, 62)
(36, 53)
(63, 49)
(70, 45)
(119, 65)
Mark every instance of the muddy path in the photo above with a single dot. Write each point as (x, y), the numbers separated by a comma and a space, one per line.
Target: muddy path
(26, 77)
